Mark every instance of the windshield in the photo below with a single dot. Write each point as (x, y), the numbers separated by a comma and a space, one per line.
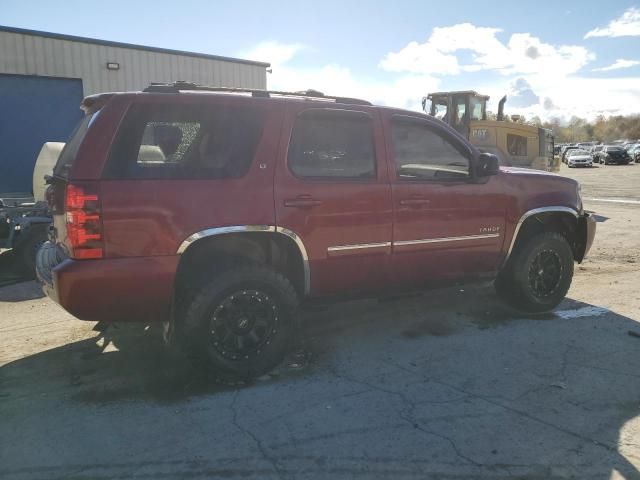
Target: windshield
(576, 153)
(614, 149)
(440, 111)
(476, 108)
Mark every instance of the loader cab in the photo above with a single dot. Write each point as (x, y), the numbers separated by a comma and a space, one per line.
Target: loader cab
(457, 109)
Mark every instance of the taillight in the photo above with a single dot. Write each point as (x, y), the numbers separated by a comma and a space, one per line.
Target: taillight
(84, 222)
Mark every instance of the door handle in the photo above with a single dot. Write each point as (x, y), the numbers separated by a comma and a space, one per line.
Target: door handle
(414, 202)
(302, 202)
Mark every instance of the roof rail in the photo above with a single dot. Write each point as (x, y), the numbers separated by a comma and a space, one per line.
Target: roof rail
(177, 87)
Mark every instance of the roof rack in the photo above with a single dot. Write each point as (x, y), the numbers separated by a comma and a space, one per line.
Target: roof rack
(177, 87)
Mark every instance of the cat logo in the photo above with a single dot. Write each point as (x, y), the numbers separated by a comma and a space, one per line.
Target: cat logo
(480, 134)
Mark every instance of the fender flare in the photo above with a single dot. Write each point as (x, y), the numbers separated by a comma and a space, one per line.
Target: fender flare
(531, 213)
(211, 232)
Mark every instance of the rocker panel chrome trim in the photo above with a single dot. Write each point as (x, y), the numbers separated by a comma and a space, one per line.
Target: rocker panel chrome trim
(403, 243)
(358, 246)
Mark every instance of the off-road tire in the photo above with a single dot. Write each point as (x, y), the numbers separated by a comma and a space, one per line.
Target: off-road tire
(27, 248)
(196, 335)
(514, 284)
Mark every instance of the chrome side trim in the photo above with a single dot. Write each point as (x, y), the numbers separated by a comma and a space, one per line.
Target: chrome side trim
(530, 213)
(303, 253)
(402, 243)
(209, 232)
(359, 246)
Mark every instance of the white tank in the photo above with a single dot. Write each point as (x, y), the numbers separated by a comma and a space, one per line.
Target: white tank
(45, 162)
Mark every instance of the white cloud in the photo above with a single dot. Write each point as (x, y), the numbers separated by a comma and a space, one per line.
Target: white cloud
(618, 64)
(522, 95)
(522, 54)
(404, 91)
(275, 53)
(540, 79)
(572, 96)
(628, 25)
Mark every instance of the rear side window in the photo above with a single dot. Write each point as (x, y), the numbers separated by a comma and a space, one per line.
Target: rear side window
(167, 141)
(332, 144)
(70, 150)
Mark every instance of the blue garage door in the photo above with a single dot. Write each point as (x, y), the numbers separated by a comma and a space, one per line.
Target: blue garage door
(33, 110)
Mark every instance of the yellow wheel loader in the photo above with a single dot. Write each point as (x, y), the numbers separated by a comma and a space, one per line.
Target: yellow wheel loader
(515, 144)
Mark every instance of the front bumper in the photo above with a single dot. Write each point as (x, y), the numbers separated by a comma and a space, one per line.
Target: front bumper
(586, 235)
(618, 159)
(109, 290)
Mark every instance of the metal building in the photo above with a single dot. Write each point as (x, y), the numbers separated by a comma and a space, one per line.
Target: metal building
(44, 76)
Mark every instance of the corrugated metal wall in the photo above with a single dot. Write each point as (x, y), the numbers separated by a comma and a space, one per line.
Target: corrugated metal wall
(27, 54)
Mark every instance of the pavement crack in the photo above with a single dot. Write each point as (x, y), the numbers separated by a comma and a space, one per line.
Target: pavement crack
(406, 414)
(491, 401)
(608, 370)
(259, 445)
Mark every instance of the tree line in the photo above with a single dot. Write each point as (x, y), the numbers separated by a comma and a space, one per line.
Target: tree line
(603, 129)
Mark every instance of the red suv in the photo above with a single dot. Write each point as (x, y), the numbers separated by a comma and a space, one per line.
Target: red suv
(217, 211)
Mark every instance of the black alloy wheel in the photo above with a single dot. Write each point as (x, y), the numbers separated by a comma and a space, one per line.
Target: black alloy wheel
(545, 273)
(538, 275)
(243, 323)
(240, 322)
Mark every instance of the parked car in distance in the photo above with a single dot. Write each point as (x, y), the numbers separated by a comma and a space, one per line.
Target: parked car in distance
(585, 145)
(566, 150)
(594, 150)
(612, 154)
(634, 152)
(217, 212)
(579, 158)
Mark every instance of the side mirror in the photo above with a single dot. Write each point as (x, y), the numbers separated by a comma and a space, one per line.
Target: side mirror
(487, 164)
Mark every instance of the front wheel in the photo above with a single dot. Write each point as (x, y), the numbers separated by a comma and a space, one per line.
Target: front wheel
(242, 322)
(538, 276)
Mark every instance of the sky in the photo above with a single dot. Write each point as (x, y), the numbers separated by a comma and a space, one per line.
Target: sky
(552, 59)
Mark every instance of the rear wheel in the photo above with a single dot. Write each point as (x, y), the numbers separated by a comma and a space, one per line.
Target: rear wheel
(538, 276)
(242, 322)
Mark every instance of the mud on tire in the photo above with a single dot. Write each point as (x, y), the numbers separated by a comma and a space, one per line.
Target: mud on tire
(241, 322)
(538, 275)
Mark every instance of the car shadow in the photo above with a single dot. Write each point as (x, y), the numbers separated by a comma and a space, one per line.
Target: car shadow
(9, 272)
(559, 384)
(20, 290)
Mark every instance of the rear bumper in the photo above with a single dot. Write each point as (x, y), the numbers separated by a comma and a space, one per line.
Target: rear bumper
(587, 233)
(109, 290)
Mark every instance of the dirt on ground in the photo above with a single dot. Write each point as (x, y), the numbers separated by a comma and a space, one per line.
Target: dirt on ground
(446, 385)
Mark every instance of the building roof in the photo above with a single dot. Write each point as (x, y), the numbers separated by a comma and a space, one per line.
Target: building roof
(108, 43)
